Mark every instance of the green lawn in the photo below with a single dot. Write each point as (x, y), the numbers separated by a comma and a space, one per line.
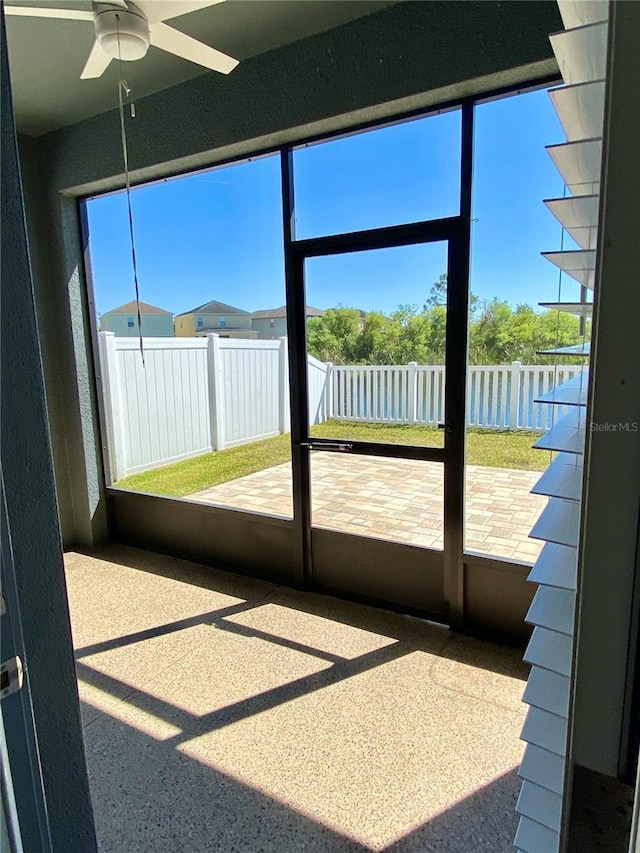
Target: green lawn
(484, 447)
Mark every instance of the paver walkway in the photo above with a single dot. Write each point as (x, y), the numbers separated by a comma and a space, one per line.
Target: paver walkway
(398, 499)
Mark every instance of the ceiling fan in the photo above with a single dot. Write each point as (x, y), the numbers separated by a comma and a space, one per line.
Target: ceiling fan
(124, 30)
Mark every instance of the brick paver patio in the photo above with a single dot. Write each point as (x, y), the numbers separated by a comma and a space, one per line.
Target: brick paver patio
(398, 499)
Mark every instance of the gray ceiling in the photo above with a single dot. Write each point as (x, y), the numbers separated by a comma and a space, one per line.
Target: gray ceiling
(47, 55)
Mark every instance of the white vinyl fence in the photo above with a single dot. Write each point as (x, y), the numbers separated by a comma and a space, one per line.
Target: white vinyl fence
(499, 396)
(194, 395)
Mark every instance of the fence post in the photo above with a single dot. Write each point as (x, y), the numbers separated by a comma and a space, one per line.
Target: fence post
(216, 391)
(112, 397)
(514, 398)
(412, 392)
(328, 391)
(284, 417)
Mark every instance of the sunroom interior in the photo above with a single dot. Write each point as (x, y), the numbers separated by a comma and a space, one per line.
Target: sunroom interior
(315, 622)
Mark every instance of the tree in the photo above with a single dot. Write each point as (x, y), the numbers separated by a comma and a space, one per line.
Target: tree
(378, 339)
(437, 294)
(334, 337)
(498, 333)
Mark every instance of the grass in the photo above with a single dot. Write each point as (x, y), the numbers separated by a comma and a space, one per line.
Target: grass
(201, 472)
(484, 447)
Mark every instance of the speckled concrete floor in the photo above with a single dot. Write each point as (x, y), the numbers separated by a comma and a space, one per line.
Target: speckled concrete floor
(228, 714)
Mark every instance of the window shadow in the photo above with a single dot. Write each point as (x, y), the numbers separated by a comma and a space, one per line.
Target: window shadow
(160, 772)
(428, 636)
(148, 796)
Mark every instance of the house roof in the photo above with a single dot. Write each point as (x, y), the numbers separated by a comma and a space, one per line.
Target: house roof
(132, 308)
(273, 313)
(214, 307)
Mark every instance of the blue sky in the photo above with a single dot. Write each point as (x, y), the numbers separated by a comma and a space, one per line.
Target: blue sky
(218, 235)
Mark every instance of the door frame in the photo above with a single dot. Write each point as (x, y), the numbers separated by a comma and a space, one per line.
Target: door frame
(456, 231)
(487, 595)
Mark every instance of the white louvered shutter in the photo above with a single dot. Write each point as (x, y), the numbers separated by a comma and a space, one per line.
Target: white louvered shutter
(581, 52)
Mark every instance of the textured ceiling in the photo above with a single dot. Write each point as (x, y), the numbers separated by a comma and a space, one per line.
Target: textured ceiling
(46, 55)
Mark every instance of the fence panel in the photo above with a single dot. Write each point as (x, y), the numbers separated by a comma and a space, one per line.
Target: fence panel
(320, 387)
(249, 391)
(499, 396)
(538, 380)
(489, 396)
(430, 395)
(163, 404)
(371, 393)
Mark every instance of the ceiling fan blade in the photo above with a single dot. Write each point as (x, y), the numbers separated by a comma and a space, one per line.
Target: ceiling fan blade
(173, 41)
(97, 63)
(163, 10)
(33, 12)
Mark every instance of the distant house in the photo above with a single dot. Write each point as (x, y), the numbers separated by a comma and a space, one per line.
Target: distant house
(272, 323)
(123, 321)
(224, 320)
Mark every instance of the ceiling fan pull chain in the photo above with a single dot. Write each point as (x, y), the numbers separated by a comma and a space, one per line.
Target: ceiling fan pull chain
(127, 90)
(124, 87)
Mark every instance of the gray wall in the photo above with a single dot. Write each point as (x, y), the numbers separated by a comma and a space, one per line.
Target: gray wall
(407, 56)
(38, 585)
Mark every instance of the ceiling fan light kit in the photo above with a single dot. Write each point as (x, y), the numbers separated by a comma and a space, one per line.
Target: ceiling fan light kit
(123, 34)
(124, 30)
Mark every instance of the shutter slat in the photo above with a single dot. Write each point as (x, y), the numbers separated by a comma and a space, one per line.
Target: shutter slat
(550, 650)
(542, 767)
(577, 13)
(556, 566)
(559, 522)
(581, 53)
(575, 349)
(562, 479)
(586, 238)
(580, 109)
(578, 164)
(578, 263)
(573, 392)
(564, 439)
(553, 608)
(548, 691)
(546, 730)
(540, 805)
(532, 837)
(579, 211)
(580, 309)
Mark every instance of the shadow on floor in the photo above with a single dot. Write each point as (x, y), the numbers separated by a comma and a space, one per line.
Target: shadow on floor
(150, 797)
(186, 753)
(501, 660)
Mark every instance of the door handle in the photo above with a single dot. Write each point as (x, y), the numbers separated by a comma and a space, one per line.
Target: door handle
(332, 446)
